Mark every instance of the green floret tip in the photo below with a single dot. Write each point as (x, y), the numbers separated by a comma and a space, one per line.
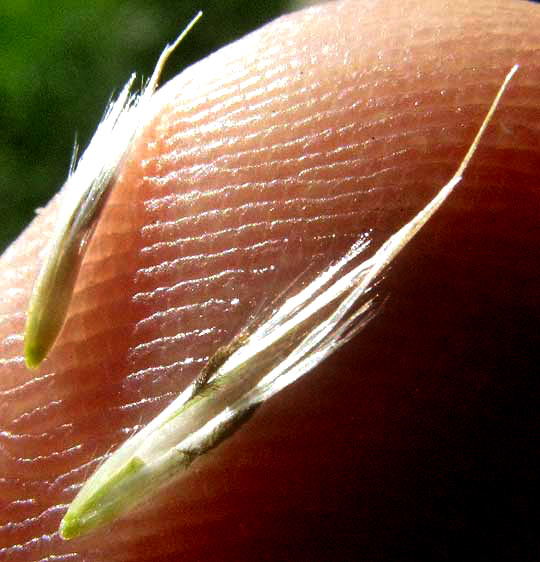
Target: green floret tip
(34, 355)
(70, 527)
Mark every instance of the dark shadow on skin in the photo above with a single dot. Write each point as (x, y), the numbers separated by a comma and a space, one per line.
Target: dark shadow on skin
(413, 441)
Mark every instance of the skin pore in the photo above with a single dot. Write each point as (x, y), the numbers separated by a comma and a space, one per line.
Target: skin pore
(266, 159)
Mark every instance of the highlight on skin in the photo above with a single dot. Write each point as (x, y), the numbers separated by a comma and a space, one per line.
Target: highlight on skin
(266, 159)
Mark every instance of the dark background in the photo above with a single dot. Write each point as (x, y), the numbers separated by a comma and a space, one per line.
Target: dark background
(61, 61)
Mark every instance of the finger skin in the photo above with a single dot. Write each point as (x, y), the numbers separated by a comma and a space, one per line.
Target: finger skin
(270, 157)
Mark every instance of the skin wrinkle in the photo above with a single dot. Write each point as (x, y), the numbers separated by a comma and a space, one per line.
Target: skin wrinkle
(371, 449)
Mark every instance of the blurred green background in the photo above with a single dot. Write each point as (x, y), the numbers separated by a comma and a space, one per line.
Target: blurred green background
(61, 61)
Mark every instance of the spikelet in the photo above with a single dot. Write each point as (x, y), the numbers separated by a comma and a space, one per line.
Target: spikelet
(84, 195)
(298, 335)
